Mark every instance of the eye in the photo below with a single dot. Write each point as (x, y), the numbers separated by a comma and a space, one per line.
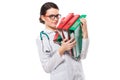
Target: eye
(58, 16)
(51, 16)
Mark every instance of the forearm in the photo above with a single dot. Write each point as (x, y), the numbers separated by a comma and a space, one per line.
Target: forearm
(85, 45)
(85, 35)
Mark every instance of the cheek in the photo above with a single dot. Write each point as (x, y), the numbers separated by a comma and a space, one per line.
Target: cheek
(52, 24)
(48, 23)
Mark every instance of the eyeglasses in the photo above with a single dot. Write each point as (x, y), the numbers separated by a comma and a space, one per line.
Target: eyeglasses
(52, 17)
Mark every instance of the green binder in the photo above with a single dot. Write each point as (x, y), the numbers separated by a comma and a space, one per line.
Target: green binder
(76, 31)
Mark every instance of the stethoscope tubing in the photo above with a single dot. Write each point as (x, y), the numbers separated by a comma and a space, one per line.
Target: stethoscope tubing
(41, 37)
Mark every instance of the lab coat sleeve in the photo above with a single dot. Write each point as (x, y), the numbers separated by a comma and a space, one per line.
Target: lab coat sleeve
(49, 62)
(85, 44)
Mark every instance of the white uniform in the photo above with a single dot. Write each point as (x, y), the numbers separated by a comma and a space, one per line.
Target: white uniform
(60, 68)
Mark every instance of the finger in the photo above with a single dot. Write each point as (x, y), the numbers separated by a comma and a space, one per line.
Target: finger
(83, 20)
(71, 40)
(73, 43)
(64, 40)
(81, 24)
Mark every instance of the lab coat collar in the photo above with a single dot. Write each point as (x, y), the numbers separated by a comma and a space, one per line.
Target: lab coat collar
(49, 31)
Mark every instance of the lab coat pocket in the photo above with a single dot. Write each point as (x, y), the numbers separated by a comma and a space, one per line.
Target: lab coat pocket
(59, 73)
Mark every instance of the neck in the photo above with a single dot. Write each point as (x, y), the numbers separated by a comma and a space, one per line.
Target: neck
(51, 28)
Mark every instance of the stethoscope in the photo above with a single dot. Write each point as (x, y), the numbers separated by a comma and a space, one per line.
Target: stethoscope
(41, 37)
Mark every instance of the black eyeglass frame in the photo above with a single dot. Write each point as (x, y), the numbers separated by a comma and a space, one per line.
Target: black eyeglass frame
(52, 16)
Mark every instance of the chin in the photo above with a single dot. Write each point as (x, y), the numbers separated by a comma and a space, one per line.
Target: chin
(54, 25)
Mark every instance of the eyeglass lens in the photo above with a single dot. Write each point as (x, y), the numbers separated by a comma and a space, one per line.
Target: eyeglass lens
(54, 16)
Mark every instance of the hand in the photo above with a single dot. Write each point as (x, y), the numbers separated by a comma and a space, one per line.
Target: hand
(67, 45)
(84, 28)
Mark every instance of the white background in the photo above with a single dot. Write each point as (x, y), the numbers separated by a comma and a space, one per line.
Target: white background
(19, 27)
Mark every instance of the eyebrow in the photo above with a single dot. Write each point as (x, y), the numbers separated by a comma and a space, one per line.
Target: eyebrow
(53, 14)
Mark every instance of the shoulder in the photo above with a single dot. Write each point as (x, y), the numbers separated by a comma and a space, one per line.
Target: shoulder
(38, 40)
(39, 37)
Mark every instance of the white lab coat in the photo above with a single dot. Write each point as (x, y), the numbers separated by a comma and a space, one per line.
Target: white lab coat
(60, 68)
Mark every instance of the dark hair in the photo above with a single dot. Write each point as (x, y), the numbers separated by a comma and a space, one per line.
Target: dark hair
(45, 7)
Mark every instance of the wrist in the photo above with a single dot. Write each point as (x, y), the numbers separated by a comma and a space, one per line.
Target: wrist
(61, 51)
(85, 35)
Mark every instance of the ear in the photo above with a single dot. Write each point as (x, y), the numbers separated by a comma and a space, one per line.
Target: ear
(42, 17)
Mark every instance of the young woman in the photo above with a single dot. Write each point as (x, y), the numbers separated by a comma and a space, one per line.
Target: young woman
(55, 58)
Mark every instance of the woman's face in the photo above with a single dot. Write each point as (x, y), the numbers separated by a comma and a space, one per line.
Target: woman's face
(51, 18)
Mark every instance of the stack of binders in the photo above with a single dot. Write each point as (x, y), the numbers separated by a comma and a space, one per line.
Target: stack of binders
(70, 27)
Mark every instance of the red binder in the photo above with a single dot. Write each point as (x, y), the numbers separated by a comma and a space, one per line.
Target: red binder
(57, 38)
(70, 22)
(66, 27)
(64, 20)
